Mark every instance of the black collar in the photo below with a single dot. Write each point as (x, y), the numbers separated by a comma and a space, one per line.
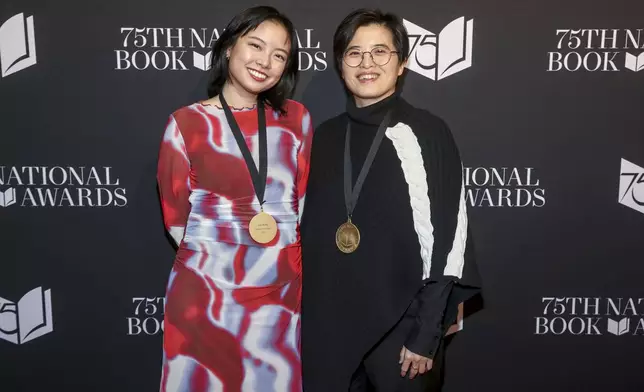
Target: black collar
(372, 114)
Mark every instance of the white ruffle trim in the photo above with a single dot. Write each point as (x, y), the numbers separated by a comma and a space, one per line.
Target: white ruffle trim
(411, 160)
(456, 257)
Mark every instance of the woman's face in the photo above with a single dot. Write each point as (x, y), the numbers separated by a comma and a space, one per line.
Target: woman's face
(370, 82)
(258, 59)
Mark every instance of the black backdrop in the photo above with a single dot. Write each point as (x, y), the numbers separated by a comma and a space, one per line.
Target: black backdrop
(560, 238)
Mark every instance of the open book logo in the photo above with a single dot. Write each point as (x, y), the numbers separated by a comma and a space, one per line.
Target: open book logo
(17, 44)
(28, 319)
(620, 327)
(634, 63)
(437, 57)
(7, 197)
(631, 186)
(202, 62)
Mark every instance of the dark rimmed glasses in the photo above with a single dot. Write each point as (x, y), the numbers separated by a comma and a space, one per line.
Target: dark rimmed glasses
(380, 56)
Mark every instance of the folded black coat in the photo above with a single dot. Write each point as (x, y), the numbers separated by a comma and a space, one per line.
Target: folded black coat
(415, 253)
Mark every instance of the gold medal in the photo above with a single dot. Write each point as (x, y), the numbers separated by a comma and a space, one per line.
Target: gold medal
(262, 228)
(347, 237)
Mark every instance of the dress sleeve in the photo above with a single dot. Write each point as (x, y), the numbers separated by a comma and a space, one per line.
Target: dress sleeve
(454, 275)
(173, 177)
(304, 160)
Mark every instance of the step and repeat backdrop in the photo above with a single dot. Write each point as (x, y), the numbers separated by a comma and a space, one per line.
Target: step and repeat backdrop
(545, 99)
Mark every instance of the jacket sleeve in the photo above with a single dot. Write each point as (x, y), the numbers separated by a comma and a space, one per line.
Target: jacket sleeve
(432, 306)
(452, 276)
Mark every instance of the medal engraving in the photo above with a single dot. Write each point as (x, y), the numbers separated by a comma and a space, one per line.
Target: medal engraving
(347, 237)
(262, 228)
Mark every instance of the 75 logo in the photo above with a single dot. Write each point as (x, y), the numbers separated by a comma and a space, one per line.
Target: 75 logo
(631, 191)
(437, 57)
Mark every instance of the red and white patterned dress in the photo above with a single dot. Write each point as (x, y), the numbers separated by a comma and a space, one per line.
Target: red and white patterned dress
(232, 315)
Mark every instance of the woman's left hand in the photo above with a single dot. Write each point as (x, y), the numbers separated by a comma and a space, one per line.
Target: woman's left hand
(414, 363)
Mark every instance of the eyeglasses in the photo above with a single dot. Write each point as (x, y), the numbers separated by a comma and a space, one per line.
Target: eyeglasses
(380, 56)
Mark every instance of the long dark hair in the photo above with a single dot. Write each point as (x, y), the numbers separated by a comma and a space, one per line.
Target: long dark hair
(240, 25)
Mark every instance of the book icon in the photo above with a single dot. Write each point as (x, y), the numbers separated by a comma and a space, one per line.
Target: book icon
(17, 44)
(437, 57)
(7, 197)
(619, 327)
(634, 63)
(202, 62)
(28, 319)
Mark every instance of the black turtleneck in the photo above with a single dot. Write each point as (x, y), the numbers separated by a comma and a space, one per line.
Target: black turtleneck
(351, 301)
(371, 114)
(364, 124)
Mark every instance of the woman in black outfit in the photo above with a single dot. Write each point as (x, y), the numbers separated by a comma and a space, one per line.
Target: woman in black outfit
(387, 252)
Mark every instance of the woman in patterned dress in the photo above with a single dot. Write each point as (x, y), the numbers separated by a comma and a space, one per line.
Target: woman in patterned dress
(232, 316)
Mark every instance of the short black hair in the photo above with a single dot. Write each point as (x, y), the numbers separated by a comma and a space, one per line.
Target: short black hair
(242, 24)
(365, 17)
